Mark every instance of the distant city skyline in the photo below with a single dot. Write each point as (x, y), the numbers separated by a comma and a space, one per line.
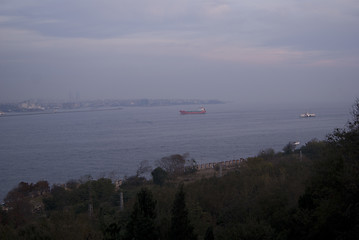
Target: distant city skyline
(245, 51)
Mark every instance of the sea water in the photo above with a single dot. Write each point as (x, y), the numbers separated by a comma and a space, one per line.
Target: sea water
(62, 146)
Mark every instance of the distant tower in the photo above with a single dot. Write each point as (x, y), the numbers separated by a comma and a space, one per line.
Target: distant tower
(71, 97)
(77, 96)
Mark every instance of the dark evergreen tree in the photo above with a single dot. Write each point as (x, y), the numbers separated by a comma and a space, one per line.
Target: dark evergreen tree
(209, 234)
(181, 228)
(289, 148)
(112, 232)
(159, 176)
(142, 223)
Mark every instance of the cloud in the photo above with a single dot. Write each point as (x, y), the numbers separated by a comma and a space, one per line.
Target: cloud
(217, 10)
(260, 55)
(278, 22)
(170, 44)
(158, 41)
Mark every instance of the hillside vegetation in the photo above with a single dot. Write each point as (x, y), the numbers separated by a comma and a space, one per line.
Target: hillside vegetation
(306, 193)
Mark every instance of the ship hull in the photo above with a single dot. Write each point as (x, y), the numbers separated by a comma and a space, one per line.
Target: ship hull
(202, 110)
(192, 112)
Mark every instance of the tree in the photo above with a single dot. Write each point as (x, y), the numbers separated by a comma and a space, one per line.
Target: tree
(142, 221)
(173, 164)
(267, 154)
(143, 168)
(329, 207)
(72, 184)
(181, 228)
(159, 176)
(209, 234)
(354, 124)
(58, 199)
(112, 232)
(18, 203)
(314, 149)
(191, 166)
(42, 187)
(347, 140)
(289, 148)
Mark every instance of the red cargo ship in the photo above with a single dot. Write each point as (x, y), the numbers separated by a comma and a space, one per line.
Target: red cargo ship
(202, 110)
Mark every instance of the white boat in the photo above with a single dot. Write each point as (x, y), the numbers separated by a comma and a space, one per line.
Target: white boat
(305, 115)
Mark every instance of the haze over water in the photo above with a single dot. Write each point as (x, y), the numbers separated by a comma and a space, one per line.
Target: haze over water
(64, 146)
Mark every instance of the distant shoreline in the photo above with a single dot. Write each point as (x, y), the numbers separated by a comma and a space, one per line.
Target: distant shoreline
(35, 107)
(59, 112)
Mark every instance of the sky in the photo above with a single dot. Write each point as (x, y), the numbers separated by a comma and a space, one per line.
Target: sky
(245, 51)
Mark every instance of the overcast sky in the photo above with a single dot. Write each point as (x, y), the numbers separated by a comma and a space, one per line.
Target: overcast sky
(247, 50)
